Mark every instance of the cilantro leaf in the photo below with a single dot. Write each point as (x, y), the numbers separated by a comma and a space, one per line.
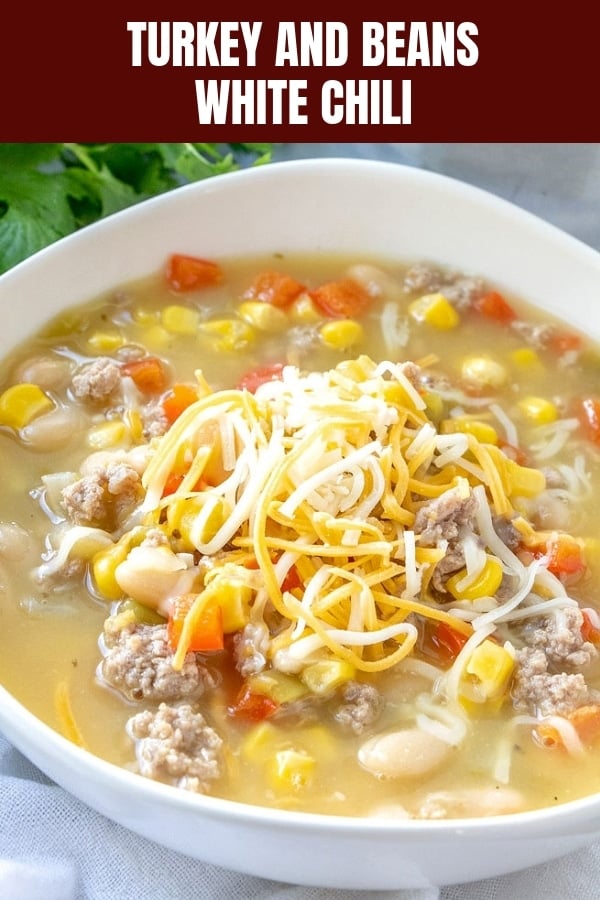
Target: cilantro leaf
(34, 212)
(50, 190)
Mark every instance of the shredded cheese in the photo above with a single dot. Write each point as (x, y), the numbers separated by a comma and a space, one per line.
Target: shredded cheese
(325, 473)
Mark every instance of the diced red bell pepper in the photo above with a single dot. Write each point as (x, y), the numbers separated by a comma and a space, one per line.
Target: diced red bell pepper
(148, 374)
(341, 299)
(587, 410)
(589, 631)
(565, 556)
(275, 288)
(584, 719)
(447, 641)
(494, 306)
(174, 480)
(292, 580)
(253, 379)
(172, 483)
(178, 398)
(208, 631)
(189, 273)
(252, 706)
(563, 341)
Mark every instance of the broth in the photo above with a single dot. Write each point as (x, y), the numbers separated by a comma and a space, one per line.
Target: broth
(450, 712)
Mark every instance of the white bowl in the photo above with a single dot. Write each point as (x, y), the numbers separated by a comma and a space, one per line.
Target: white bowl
(313, 205)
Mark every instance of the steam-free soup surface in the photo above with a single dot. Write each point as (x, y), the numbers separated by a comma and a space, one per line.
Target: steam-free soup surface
(309, 532)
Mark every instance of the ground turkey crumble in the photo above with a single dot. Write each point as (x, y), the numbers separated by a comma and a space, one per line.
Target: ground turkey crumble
(438, 523)
(536, 690)
(174, 744)
(103, 497)
(250, 649)
(97, 381)
(362, 705)
(543, 682)
(441, 518)
(560, 637)
(461, 290)
(139, 664)
(155, 421)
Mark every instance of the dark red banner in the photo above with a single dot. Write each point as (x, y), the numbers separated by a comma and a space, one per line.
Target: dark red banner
(396, 72)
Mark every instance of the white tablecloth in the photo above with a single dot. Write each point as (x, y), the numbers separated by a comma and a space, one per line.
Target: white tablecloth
(53, 848)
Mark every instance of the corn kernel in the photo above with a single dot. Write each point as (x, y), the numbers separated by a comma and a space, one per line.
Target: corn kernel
(156, 337)
(259, 742)
(435, 310)
(106, 341)
(538, 410)
(214, 514)
(21, 403)
(484, 585)
(123, 619)
(181, 514)
(179, 319)
(134, 424)
(108, 434)
(235, 612)
(483, 431)
(527, 358)
(145, 317)
(228, 334)
(291, 769)
(303, 311)
(234, 596)
(104, 564)
(141, 614)
(340, 334)
(482, 371)
(197, 519)
(263, 316)
(277, 685)
(326, 674)
(523, 481)
(434, 405)
(491, 665)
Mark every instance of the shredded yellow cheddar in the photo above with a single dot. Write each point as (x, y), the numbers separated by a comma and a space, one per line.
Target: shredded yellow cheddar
(323, 473)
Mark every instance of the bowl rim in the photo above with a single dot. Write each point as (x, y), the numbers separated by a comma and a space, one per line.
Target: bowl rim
(333, 167)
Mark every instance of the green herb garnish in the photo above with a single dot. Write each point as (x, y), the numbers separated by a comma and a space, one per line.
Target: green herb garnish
(50, 190)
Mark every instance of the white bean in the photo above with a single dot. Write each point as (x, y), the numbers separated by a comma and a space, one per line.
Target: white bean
(152, 575)
(552, 512)
(484, 801)
(15, 543)
(410, 753)
(54, 484)
(483, 371)
(375, 281)
(137, 458)
(390, 811)
(49, 372)
(54, 430)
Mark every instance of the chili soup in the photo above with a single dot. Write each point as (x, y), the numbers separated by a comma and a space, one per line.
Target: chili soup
(311, 532)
